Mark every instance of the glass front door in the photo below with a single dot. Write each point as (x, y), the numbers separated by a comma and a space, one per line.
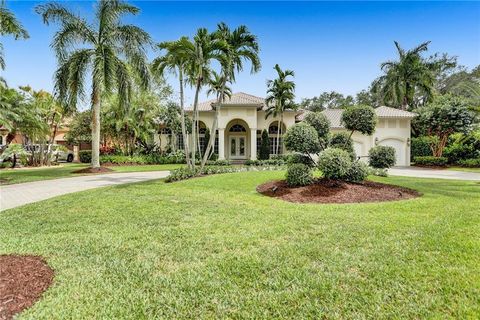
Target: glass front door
(237, 147)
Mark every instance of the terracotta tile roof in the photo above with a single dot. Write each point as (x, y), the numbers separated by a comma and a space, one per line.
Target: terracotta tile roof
(239, 98)
(335, 115)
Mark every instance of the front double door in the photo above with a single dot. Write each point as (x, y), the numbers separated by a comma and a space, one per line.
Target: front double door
(238, 146)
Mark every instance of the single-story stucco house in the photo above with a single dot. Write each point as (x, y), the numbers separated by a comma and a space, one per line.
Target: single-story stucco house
(242, 120)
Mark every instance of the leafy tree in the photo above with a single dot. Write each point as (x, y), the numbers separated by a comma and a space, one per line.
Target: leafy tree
(280, 97)
(80, 128)
(327, 100)
(441, 118)
(320, 122)
(410, 80)
(342, 140)
(97, 47)
(302, 138)
(9, 25)
(463, 83)
(359, 118)
(264, 152)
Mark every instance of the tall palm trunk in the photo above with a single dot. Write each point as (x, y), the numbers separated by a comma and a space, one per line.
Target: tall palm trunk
(213, 134)
(195, 120)
(279, 132)
(96, 128)
(182, 120)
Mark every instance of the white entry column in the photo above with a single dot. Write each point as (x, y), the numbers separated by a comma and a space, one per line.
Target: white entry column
(253, 144)
(221, 144)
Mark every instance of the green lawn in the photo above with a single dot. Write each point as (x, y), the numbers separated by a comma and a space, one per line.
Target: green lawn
(213, 248)
(9, 176)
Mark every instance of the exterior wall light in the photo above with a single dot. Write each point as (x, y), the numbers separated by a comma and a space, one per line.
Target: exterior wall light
(408, 142)
(376, 141)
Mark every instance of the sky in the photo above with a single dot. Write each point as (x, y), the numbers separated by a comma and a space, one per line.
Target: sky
(330, 45)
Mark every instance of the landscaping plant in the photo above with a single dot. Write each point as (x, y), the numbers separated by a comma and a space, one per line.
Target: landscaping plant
(334, 163)
(381, 157)
(299, 174)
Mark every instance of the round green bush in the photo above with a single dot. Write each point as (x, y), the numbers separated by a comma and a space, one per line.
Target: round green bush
(302, 138)
(320, 122)
(358, 172)
(342, 140)
(299, 174)
(360, 118)
(85, 156)
(300, 158)
(334, 163)
(382, 157)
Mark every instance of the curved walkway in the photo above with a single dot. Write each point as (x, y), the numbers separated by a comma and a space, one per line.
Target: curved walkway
(16, 195)
(434, 173)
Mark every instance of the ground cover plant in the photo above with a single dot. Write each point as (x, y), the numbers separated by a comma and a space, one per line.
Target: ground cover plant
(213, 247)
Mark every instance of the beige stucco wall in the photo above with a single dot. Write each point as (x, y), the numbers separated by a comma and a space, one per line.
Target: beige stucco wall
(390, 132)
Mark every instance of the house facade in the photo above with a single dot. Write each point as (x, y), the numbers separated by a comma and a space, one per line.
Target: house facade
(242, 120)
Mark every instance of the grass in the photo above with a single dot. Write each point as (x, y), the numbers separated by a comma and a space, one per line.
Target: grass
(12, 176)
(477, 170)
(214, 248)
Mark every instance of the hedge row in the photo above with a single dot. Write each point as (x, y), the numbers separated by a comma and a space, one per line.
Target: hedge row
(431, 161)
(187, 173)
(86, 157)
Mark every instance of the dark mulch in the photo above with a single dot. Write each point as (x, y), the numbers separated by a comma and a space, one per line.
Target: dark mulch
(327, 191)
(23, 279)
(94, 170)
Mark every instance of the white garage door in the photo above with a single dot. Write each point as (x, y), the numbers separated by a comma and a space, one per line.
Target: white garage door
(399, 147)
(358, 147)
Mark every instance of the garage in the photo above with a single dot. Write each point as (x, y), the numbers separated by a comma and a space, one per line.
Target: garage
(400, 147)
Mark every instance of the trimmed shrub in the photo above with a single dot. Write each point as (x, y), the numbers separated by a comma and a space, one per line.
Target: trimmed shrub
(420, 147)
(382, 157)
(471, 163)
(357, 172)
(264, 152)
(299, 174)
(270, 162)
(302, 138)
(334, 163)
(342, 140)
(461, 147)
(218, 162)
(360, 118)
(431, 161)
(300, 158)
(85, 156)
(320, 122)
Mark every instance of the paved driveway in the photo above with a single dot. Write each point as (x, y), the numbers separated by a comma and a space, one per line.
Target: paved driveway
(15, 195)
(434, 173)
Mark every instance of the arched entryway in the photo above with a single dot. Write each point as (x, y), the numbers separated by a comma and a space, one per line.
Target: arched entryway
(237, 140)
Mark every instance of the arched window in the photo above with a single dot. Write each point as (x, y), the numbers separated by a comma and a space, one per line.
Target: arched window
(237, 128)
(273, 129)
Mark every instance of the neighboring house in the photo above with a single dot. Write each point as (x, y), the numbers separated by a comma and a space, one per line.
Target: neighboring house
(242, 120)
(18, 137)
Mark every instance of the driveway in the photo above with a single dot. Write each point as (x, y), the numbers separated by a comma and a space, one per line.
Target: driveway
(434, 173)
(16, 195)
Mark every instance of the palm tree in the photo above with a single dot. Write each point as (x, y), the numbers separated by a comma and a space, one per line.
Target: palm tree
(9, 25)
(237, 46)
(406, 77)
(217, 86)
(176, 60)
(206, 48)
(97, 47)
(280, 97)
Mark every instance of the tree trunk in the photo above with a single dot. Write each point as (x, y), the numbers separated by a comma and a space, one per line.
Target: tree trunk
(52, 138)
(195, 119)
(182, 120)
(213, 131)
(96, 104)
(279, 133)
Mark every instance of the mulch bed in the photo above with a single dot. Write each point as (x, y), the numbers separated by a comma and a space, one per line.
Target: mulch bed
(94, 170)
(23, 279)
(327, 191)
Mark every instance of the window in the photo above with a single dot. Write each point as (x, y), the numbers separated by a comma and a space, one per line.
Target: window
(273, 145)
(273, 129)
(1, 139)
(180, 144)
(237, 128)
